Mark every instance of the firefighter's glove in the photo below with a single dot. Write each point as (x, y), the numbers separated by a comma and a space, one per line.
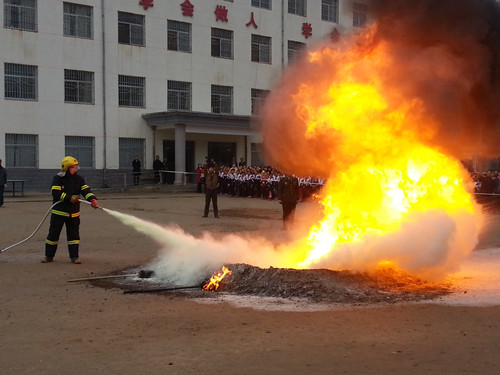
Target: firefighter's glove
(74, 199)
(94, 203)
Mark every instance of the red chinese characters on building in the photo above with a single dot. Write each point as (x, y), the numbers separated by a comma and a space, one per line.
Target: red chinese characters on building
(187, 8)
(146, 4)
(220, 13)
(252, 22)
(307, 30)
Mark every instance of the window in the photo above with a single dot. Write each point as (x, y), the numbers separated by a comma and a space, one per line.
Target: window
(179, 96)
(21, 150)
(130, 29)
(295, 49)
(81, 148)
(127, 149)
(222, 43)
(78, 86)
(179, 36)
(258, 98)
(78, 20)
(21, 81)
(20, 14)
(329, 10)
(297, 7)
(359, 14)
(131, 91)
(222, 99)
(262, 4)
(261, 49)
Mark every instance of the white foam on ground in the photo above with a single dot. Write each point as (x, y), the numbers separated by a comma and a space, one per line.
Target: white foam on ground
(478, 281)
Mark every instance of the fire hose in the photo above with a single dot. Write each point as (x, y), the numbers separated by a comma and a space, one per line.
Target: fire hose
(39, 225)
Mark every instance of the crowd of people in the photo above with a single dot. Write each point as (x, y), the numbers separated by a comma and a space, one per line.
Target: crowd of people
(255, 182)
(487, 182)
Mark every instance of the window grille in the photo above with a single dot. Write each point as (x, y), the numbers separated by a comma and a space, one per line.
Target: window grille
(131, 91)
(178, 36)
(222, 43)
(127, 149)
(297, 7)
(295, 49)
(131, 29)
(222, 99)
(81, 148)
(258, 98)
(21, 81)
(21, 150)
(179, 95)
(262, 4)
(329, 10)
(261, 49)
(359, 14)
(20, 14)
(78, 20)
(78, 86)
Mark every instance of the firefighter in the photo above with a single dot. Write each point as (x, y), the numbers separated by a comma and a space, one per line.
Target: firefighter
(288, 193)
(67, 186)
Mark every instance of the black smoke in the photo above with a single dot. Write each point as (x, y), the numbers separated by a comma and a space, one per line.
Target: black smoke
(443, 53)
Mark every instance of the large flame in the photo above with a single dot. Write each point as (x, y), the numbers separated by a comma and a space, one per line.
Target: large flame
(392, 196)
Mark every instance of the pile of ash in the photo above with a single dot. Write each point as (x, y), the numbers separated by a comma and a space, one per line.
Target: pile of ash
(315, 285)
(327, 286)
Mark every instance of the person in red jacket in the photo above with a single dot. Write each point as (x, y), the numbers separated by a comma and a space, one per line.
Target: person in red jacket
(67, 187)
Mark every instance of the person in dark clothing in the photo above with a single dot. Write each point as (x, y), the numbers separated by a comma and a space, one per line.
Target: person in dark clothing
(288, 195)
(211, 172)
(3, 182)
(487, 183)
(157, 167)
(136, 170)
(67, 186)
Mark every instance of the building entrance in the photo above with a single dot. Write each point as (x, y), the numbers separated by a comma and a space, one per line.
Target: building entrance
(224, 153)
(169, 153)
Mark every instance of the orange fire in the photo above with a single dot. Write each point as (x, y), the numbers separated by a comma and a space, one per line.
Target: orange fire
(387, 176)
(213, 284)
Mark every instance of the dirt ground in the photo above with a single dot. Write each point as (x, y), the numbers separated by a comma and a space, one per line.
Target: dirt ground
(51, 326)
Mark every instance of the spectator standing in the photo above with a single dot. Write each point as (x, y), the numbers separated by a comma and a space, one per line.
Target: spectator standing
(199, 177)
(288, 194)
(136, 170)
(211, 172)
(164, 174)
(157, 167)
(3, 182)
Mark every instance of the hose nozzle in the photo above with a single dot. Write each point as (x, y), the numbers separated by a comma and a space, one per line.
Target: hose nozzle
(84, 201)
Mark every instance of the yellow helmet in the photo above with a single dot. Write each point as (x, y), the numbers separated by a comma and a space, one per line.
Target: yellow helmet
(67, 162)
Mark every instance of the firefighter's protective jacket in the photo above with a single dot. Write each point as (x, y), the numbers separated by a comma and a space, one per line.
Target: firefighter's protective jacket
(63, 187)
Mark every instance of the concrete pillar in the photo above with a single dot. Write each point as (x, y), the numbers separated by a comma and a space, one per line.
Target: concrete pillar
(180, 154)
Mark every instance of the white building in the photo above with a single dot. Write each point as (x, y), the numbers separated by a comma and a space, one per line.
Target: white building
(104, 80)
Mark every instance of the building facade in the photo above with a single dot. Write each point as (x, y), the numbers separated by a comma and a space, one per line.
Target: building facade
(104, 80)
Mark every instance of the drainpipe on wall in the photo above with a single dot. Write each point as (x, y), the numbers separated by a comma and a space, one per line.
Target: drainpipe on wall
(105, 140)
(282, 34)
(154, 141)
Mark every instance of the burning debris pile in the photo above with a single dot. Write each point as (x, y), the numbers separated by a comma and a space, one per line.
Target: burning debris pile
(327, 286)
